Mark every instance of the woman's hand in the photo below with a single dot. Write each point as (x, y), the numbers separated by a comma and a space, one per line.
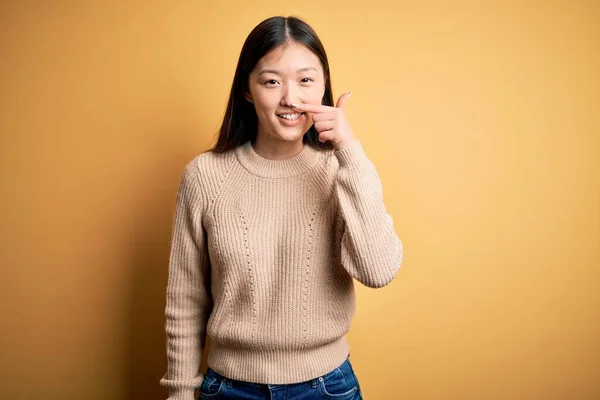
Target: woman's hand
(330, 122)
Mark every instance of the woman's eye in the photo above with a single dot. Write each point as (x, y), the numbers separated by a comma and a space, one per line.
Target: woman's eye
(274, 82)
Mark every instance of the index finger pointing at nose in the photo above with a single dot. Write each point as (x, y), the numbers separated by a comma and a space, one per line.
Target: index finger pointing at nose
(314, 108)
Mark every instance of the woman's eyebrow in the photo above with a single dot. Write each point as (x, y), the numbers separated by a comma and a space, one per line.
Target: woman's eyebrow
(274, 71)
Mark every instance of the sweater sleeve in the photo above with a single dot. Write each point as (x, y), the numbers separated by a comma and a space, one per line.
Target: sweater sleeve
(371, 250)
(188, 298)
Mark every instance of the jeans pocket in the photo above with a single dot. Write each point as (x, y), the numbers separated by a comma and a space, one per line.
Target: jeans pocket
(211, 384)
(340, 384)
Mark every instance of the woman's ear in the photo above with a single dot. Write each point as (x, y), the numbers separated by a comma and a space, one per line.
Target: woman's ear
(248, 97)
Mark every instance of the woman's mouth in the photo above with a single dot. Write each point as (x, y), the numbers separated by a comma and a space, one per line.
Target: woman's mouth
(290, 119)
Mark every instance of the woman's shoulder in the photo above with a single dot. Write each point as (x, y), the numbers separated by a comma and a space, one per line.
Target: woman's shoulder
(208, 170)
(209, 162)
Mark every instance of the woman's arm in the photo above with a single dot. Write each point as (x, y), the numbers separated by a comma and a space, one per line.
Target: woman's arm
(371, 250)
(188, 298)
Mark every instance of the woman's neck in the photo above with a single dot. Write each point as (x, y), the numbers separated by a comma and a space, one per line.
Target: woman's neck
(276, 149)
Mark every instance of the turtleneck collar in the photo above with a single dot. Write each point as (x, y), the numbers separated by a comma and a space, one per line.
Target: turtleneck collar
(266, 168)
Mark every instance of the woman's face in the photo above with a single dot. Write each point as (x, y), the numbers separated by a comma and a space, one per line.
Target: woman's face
(287, 75)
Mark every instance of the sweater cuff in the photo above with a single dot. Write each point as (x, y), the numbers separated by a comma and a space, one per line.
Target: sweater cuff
(352, 154)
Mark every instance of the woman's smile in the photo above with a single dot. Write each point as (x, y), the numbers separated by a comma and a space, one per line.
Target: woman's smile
(290, 119)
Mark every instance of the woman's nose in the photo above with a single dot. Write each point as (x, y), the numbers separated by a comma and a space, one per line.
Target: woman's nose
(289, 95)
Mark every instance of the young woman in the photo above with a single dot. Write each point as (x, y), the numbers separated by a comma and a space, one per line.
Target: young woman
(270, 228)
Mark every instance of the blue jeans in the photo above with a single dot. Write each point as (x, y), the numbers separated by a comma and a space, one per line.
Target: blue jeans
(339, 384)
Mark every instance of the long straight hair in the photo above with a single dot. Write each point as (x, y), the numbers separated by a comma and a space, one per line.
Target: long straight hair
(240, 122)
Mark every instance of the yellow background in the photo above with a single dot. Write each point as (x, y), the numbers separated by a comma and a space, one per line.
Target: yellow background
(481, 116)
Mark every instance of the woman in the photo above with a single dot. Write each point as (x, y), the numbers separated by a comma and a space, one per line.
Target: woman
(270, 227)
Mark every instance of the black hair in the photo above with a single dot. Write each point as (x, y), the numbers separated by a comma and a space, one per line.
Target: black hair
(240, 122)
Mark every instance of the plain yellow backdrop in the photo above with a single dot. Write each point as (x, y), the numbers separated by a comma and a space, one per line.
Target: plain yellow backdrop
(482, 118)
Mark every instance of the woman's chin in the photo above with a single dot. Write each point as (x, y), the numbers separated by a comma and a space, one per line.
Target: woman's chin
(292, 135)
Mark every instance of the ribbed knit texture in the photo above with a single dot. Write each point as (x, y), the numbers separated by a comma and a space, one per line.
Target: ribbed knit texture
(262, 258)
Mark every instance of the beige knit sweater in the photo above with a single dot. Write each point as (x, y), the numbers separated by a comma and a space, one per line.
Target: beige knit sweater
(262, 258)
